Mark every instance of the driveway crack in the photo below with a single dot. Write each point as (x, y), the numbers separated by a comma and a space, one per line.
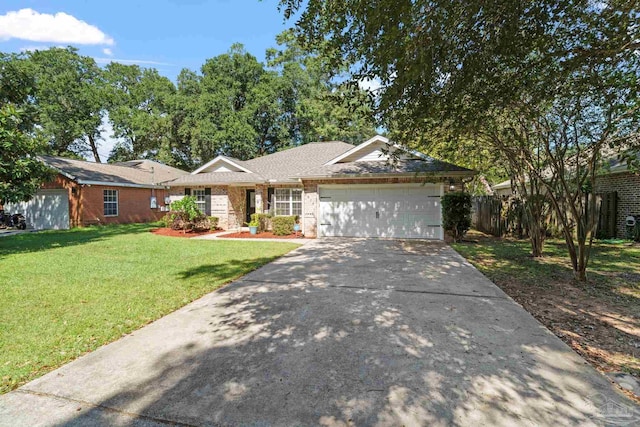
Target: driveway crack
(104, 407)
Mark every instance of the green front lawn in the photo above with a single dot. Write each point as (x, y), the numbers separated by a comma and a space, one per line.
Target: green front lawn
(65, 293)
(599, 319)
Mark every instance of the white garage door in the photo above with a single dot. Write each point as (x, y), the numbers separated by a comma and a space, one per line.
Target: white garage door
(49, 209)
(401, 211)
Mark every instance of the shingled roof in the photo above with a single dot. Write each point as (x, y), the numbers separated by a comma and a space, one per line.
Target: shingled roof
(138, 173)
(316, 160)
(404, 167)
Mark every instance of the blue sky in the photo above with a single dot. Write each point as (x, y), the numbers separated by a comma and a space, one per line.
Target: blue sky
(165, 34)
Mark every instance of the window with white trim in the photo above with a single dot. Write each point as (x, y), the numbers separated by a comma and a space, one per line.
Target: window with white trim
(288, 201)
(110, 199)
(199, 194)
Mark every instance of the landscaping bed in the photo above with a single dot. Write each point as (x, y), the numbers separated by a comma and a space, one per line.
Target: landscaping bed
(599, 319)
(165, 231)
(261, 235)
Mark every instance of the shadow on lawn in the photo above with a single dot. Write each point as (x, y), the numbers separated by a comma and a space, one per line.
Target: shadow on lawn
(229, 270)
(51, 239)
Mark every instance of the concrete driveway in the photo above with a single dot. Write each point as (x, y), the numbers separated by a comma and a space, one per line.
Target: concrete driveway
(338, 332)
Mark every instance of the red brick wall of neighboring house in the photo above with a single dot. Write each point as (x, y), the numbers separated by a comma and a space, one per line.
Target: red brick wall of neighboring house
(628, 187)
(133, 205)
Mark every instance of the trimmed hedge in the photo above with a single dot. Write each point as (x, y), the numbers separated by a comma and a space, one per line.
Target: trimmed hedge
(456, 214)
(283, 225)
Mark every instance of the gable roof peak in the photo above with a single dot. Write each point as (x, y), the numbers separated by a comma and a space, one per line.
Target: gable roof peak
(225, 159)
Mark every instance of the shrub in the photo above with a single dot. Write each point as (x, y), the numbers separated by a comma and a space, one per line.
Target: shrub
(263, 220)
(214, 222)
(456, 214)
(188, 207)
(283, 225)
(185, 215)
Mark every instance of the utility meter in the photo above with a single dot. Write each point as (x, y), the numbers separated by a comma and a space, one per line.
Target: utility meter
(630, 221)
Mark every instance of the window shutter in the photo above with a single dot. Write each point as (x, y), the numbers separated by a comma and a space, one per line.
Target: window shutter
(207, 201)
(187, 191)
(270, 206)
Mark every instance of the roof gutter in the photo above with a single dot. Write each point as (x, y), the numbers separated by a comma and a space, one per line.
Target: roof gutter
(393, 175)
(121, 184)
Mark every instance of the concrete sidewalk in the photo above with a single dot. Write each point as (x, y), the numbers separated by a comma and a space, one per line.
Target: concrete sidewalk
(338, 332)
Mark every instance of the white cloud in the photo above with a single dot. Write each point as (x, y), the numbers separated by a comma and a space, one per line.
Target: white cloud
(129, 61)
(27, 24)
(32, 48)
(107, 51)
(371, 85)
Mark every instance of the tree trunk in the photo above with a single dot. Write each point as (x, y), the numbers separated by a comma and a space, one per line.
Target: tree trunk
(94, 149)
(580, 275)
(537, 243)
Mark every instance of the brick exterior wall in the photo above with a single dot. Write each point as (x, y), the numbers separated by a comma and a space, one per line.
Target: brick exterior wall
(86, 203)
(133, 205)
(628, 187)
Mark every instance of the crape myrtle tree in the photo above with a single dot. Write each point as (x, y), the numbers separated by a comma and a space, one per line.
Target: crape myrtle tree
(550, 85)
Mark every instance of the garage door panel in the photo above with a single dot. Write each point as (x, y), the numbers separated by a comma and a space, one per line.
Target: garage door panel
(48, 209)
(369, 211)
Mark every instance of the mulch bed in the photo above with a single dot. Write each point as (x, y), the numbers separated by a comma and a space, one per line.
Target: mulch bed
(263, 235)
(179, 233)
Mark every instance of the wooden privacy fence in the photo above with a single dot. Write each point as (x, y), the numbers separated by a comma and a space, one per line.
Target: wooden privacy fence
(498, 217)
(488, 216)
(607, 220)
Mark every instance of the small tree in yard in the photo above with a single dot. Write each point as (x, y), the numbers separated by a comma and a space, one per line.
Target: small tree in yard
(185, 215)
(456, 214)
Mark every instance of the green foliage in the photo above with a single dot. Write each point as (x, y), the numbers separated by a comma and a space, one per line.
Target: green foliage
(187, 206)
(283, 225)
(138, 100)
(318, 104)
(456, 214)
(213, 220)
(70, 100)
(21, 173)
(185, 215)
(263, 221)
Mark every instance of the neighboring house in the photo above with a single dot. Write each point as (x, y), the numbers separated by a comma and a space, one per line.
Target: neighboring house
(615, 178)
(85, 193)
(626, 184)
(336, 189)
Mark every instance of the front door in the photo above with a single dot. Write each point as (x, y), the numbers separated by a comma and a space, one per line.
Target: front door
(251, 204)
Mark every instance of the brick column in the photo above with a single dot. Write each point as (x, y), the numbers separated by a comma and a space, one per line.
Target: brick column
(310, 209)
